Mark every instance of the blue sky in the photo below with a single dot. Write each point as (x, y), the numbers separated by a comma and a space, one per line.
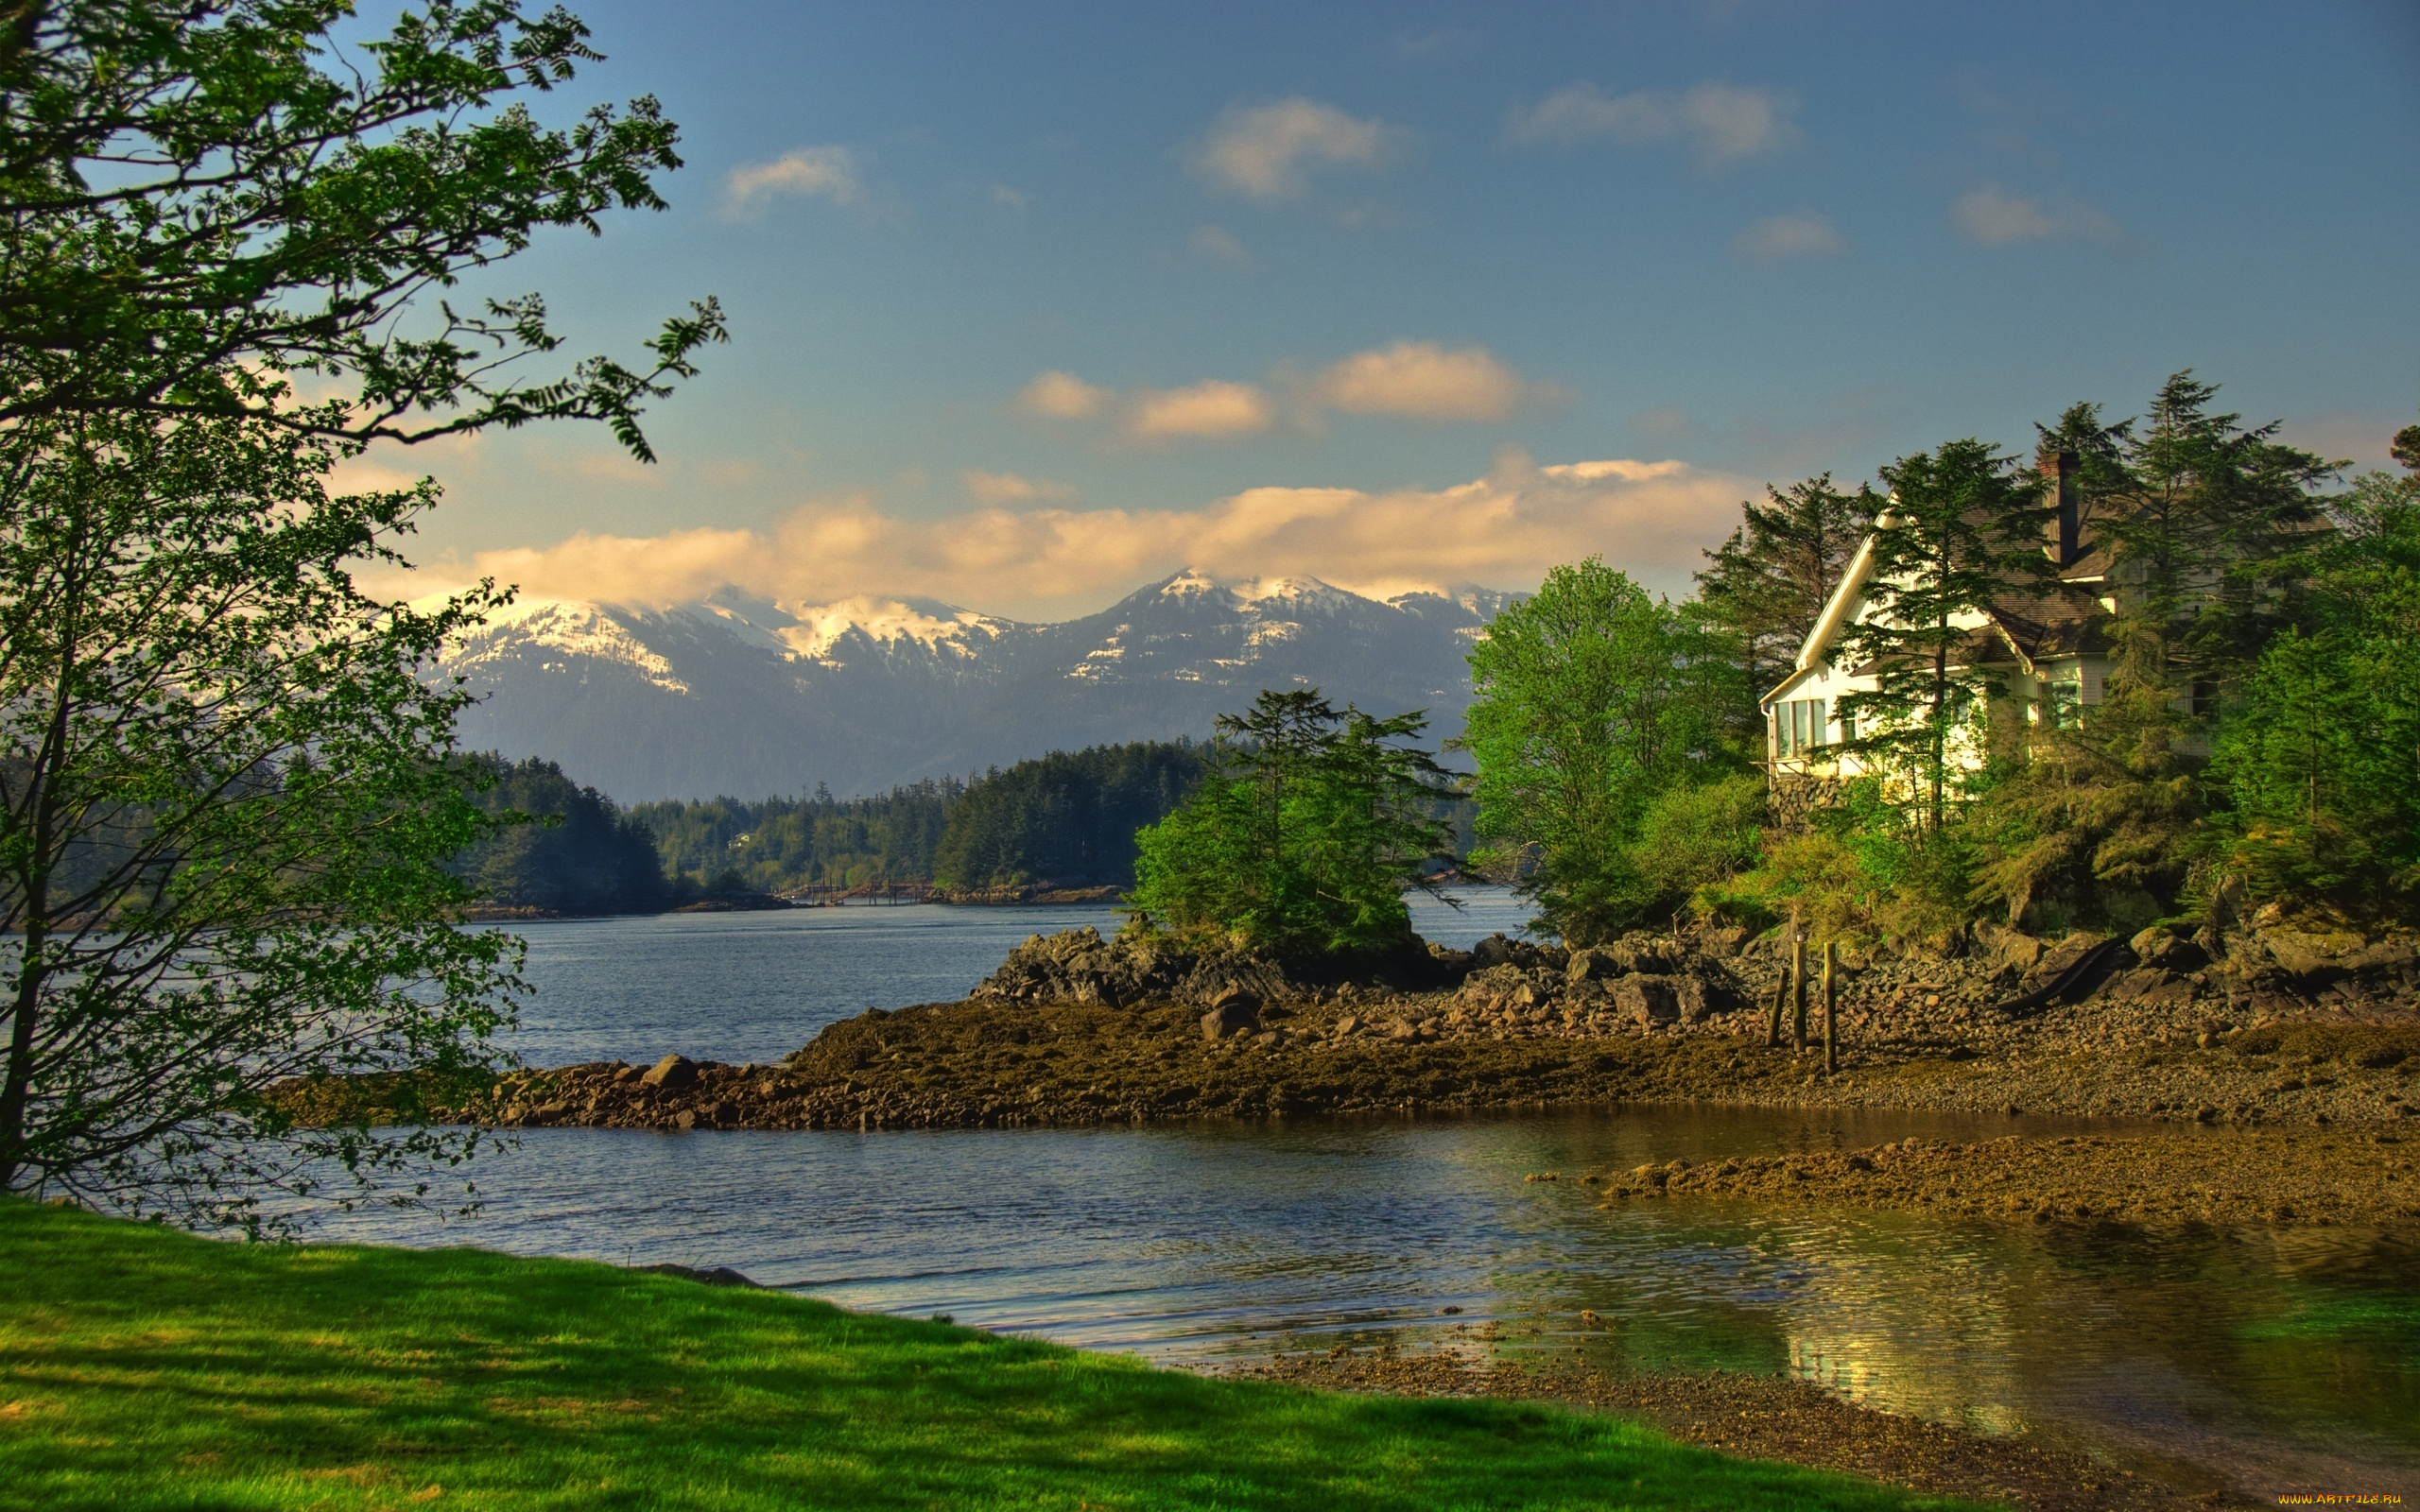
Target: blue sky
(1032, 304)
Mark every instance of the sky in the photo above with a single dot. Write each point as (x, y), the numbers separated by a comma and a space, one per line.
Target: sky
(1033, 304)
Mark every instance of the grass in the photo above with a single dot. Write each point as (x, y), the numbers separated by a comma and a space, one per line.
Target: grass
(144, 1368)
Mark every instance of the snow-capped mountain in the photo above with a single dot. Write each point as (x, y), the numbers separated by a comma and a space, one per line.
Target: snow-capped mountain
(744, 696)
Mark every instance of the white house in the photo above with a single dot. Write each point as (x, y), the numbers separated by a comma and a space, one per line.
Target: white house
(2051, 653)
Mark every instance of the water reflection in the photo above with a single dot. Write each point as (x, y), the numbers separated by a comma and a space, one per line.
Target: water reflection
(2255, 1358)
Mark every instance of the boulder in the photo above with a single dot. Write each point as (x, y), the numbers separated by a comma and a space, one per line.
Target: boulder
(2057, 960)
(1238, 1014)
(1647, 999)
(1699, 998)
(2163, 946)
(672, 1073)
(1494, 951)
(1642, 951)
(2019, 951)
(1593, 964)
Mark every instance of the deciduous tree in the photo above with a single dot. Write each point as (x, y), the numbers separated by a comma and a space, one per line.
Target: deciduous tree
(1590, 698)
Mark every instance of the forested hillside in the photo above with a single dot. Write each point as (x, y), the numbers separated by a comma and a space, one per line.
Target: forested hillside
(776, 844)
(581, 855)
(1068, 819)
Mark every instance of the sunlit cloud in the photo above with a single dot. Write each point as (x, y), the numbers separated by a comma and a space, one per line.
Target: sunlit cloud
(1410, 380)
(1421, 380)
(806, 173)
(1007, 487)
(1212, 409)
(1062, 396)
(1268, 152)
(1720, 123)
(1505, 529)
(1993, 217)
(1786, 238)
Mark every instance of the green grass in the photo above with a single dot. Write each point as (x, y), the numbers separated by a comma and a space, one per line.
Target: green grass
(144, 1368)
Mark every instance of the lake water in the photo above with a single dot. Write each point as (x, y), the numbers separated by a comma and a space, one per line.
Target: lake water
(757, 986)
(2256, 1359)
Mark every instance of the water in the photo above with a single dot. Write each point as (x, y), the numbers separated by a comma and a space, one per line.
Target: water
(2256, 1359)
(756, 986)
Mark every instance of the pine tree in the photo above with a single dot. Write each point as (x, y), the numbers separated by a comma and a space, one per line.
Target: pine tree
(1768, 582)
(1963, 535)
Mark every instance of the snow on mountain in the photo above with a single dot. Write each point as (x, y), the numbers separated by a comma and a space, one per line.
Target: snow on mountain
(745, 697)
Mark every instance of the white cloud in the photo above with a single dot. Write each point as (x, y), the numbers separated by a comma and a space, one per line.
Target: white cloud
(1062, 396)
(1265, 152)
(1995, 218)
(1505, 529)
(1007, 487)
(1720, 122)
(829, 173)
(1220, 244)
(1421, 380)
(1211, 409)
(1016, 199)
(1780, 238)
(1410, 380)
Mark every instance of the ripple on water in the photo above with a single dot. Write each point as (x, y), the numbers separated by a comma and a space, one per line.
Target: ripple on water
(2269, 1359)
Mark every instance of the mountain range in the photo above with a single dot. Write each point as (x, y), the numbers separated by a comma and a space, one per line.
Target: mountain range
(739, 696)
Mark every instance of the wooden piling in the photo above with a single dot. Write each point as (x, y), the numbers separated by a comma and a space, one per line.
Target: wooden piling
(1781, 990)
(1831, 1010)
(1797, 994)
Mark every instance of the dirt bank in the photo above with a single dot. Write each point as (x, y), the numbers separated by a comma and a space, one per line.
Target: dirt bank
(2273, 1175)
(1767, 1418)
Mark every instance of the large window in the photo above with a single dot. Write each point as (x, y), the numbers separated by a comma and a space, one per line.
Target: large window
(1798, 727)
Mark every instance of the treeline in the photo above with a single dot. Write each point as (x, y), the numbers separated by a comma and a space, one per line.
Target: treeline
(1067, 820)
(778, 844)
(569, 849)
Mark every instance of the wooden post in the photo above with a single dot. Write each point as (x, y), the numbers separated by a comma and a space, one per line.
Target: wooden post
(1781, 990)
(1831, 1010)
(1798, 996)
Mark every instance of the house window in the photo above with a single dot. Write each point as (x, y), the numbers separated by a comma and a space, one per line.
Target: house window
(1798, 727)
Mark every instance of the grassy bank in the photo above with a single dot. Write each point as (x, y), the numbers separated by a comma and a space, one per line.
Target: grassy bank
(141, 1368)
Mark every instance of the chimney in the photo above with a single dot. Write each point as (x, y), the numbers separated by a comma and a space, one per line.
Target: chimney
(2066, 546)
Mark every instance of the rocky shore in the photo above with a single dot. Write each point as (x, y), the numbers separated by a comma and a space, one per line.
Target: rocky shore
(2282, 1028)
(2270, 1175)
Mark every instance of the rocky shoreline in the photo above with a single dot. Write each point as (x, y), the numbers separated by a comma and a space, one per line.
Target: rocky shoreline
(2282, 1030)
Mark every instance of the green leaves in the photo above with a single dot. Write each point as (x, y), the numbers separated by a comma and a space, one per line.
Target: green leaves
(1590, 698)
(198, 199)
(1306, 838)
(224, 806)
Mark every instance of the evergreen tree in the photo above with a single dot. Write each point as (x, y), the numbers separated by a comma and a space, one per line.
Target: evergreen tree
(562, 848)
(1962, 534)
(2201, 518)
(1768, 582)
(1069, 818)
(2320, 760)
(1305, 837)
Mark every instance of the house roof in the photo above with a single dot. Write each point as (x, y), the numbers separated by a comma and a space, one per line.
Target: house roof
(2069, 620)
